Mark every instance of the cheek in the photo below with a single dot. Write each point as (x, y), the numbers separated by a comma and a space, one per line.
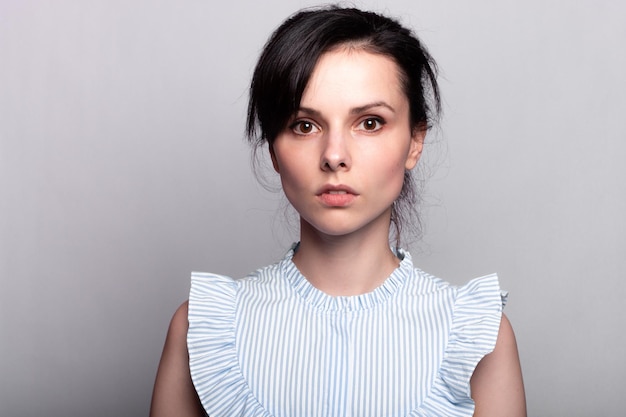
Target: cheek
(398, 175)
(283, 160)
(392, 177)
(294, 175)
(396, 165)
(385, 178)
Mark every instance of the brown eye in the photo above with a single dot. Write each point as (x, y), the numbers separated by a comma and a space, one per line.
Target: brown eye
(303, 127)
(306, 127)
(372, 124)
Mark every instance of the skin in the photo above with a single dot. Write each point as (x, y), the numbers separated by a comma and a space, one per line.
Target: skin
(174, 394)
(352, 132)
(497, 385)
(342, 160)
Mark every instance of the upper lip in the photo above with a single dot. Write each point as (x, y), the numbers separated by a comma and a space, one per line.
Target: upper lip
(336, 187)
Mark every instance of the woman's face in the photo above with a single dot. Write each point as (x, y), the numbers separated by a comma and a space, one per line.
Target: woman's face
(342, 157)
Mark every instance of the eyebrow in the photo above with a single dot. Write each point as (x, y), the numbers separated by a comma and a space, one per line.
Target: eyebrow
(353, 111)
(362, 109)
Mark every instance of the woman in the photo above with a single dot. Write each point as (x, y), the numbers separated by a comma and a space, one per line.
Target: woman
(344, 325)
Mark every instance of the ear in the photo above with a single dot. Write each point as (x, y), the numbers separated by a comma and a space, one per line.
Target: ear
(415, 150)
(273, 156)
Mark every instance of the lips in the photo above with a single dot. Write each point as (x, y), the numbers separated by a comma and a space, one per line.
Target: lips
(337, 195)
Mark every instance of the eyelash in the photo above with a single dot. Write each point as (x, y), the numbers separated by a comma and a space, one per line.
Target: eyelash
(298, 124)
(379, 123)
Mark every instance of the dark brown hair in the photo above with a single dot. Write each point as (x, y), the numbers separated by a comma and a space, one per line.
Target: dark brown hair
(289, 58)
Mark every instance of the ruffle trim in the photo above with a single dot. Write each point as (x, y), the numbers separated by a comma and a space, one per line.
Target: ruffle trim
(223, 390)
(213, 362)
(475, 326)
(324, 302)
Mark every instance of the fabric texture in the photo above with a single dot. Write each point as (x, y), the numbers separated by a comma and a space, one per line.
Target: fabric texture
(273, 345)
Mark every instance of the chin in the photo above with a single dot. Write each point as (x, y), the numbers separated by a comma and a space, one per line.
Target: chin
(337, 227)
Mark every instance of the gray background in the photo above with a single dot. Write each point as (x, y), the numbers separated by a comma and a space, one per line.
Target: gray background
(123, 168)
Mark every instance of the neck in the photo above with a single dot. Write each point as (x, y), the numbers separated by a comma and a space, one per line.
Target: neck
(345, 265)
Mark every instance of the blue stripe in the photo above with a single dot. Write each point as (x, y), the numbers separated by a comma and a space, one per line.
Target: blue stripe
(273, 345)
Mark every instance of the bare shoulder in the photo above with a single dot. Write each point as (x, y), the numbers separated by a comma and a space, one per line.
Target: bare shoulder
(174, 393)
(497, 385)
(179, 324)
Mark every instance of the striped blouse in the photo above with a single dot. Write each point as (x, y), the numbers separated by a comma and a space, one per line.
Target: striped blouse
(271, 344)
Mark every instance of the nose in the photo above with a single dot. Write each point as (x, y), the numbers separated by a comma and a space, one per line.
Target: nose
(335, 154)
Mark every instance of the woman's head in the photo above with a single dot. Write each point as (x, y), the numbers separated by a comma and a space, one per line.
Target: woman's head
(292, 52)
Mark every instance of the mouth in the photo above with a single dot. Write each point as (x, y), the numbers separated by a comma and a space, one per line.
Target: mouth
(336, 190)
(337, 195)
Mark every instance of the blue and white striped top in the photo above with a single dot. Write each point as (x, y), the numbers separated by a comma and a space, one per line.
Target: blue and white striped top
(271, 344)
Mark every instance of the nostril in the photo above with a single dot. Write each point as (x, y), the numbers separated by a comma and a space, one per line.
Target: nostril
(333, 163)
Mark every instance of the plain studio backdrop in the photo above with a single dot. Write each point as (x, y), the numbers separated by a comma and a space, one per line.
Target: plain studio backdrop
(123, 167)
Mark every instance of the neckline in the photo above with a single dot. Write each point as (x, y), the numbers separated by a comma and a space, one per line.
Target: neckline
(325, 302)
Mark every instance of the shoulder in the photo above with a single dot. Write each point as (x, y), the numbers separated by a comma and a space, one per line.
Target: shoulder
(179, 324)
(177, 331)
(497, 386)
(174, 393)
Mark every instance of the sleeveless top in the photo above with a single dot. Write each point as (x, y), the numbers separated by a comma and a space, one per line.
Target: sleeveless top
(272, 345)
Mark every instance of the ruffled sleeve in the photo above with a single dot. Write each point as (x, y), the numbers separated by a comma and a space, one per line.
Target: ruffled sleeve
(475, 325)
(213, 359)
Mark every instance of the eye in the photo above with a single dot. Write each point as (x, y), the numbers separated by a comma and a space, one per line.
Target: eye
(371, 124)
(303, 127)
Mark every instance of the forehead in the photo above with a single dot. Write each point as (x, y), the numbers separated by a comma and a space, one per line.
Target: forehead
(350, 74)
